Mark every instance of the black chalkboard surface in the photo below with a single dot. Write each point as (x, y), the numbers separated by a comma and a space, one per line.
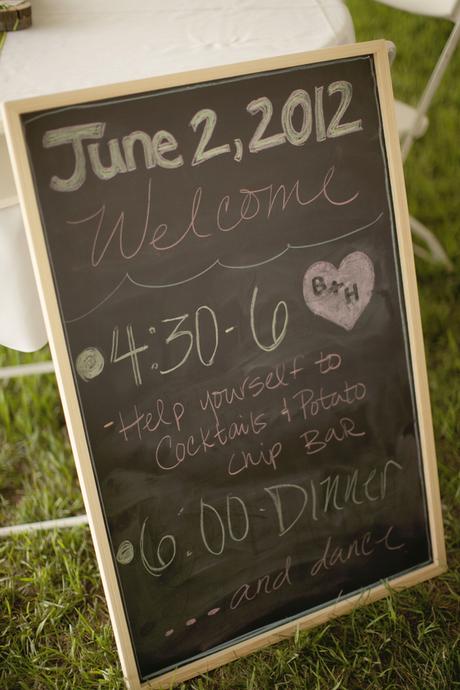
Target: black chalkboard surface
(234, 317)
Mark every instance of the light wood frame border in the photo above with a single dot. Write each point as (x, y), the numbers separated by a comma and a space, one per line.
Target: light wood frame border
(23, 178)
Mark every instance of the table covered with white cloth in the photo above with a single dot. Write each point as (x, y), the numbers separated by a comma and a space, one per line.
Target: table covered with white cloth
(75, 44)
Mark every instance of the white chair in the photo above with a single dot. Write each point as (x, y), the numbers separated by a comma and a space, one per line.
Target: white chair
(412, 122)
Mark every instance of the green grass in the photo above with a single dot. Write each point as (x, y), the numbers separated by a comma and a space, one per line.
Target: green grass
(54, 627)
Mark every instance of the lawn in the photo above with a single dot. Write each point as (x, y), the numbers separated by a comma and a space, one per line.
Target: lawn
(54, 627)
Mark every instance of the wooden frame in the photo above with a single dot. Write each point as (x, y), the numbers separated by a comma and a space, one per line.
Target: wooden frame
(31, 213)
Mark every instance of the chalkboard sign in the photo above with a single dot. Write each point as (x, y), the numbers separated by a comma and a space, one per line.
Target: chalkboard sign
(226, 269)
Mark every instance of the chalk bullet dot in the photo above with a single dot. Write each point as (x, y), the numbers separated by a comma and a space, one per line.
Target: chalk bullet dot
(191, 621)
(213, 612)
(125, 553)
(89, 363)
(168, 633)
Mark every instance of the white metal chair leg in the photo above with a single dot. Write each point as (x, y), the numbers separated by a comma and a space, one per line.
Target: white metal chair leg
(30, 370)
(435, 252)
(26, 370)
(46, 524)
(430, 89)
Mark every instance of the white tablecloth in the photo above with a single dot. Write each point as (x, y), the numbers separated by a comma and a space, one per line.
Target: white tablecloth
(77, 43)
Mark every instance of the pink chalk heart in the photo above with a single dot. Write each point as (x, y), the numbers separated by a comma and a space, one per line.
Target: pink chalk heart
(340, 294)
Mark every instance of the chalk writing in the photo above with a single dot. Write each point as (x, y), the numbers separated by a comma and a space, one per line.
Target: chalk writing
(244, 459)
(333, 493)
(310, 402)
(315, 442)
(160, 149)
(362, 546)
(250, 205)
(329, 362)
(167, 544)
(206, 439)
(223, 530)
(251, 386)
(267, 584)
(340, 295)
(163, 414)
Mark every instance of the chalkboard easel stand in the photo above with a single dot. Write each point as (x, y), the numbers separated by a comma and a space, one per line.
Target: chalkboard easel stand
(188, 540)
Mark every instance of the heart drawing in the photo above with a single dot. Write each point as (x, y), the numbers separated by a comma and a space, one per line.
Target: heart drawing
(340, 294)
